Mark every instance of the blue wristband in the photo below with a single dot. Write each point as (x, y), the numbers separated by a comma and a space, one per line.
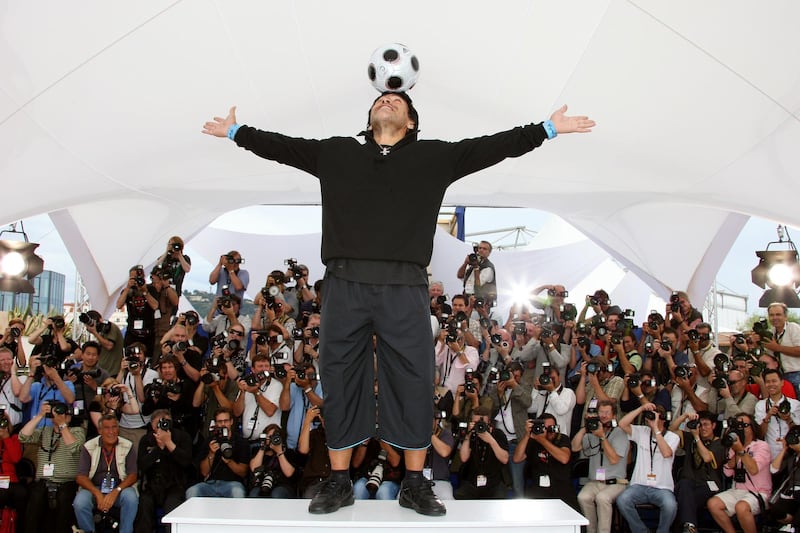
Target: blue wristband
(550, 128)
(234, 128)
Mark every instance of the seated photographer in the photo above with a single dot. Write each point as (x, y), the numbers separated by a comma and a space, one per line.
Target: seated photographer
(12, 493)
(228, 275)
(688, 396)
(546, 453)
(651, 481)
(136, 375)
(312, 453)
(483, 454)
(214, 390)
(306, 350)
(437, 462)
(607, 450)
(222, 460)
(107, 482)
(225, 313)
(378, 469)
(188, 357)
(87, 375)
(775, 414)
(700, 477)
(258, 401)
(550, 396)
(59, 447)
(164, 458)
(785, 500)
(55, 342)
(140, 306)
(513, 398)
(175, 264)
(109, 340)
(171, 393)
(45, 384)
(10, 386)
(11, 342)
(601, 383)
(274, 472)
(453, 357)
(641, 389)
(304, 391)
(112, 398)
(748, 462)
(729, 396)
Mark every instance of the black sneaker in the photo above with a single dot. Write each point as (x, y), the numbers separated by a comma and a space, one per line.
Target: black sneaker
(422, 499)
(331, 496)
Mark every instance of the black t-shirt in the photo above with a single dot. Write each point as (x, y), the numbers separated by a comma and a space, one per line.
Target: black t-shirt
(50, 346)
(141, 317)
(175, 270)
(483, 462)
(540, 462)
(693, 465)
(219, 470)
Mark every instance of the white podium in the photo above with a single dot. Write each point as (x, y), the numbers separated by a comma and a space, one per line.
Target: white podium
(253, 515)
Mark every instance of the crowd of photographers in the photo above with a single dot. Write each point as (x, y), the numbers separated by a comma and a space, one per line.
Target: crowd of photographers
(552, 401)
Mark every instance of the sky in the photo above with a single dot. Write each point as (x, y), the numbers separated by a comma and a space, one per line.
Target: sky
(733, 276)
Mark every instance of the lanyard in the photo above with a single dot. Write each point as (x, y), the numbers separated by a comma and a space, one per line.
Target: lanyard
(109, 457)
(45, 391)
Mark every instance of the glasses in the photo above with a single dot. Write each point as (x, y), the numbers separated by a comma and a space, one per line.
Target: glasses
(235, 332)
(743, 424)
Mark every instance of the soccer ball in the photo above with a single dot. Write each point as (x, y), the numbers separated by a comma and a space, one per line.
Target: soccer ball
(393, 67)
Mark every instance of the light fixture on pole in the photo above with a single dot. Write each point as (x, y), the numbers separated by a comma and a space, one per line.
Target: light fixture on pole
(18, 263)
(780, 271)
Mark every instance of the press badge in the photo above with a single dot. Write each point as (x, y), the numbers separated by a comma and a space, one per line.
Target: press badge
(48, 470)
(600, 474)
(138, 324)
(544, 481)
(5, 481)
(481, 480)
(157, 314)
(107, 484)
(712, 486)
(251, 424)
(651, 479)
(427, 473)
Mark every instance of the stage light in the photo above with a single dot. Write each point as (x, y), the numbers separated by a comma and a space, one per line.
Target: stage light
(780, 271)
(18, 263)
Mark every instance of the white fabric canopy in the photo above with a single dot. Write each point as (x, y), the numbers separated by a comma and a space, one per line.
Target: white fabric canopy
(101, 105)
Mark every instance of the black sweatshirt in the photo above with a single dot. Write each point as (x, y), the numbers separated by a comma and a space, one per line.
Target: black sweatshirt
(384, 207)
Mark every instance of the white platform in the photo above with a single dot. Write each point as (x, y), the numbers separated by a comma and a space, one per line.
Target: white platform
(236, 515)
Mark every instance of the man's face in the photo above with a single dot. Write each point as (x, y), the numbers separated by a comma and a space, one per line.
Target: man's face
(223, 420)
(628, 343)
(548, 423)
(672, 338)
(705, 337)
(777, 317)
(773, 384)
(686, 306)
(313, 321)
(90, 356)
(611, 322)
(261, 366)
(234, 260)
(736, 382)
(236, 332)
(179, 334)
(606, 413)
(435, 290)
(167, 371)
(458, 305)
(6, 361)
(484, 249)
(706, 429)
(769, 362)
(391, 109)
(748, 428)
(109, 432)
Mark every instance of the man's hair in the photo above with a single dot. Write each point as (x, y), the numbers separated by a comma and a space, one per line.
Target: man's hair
(513, 366)
(487, 243)
(109, 416)
(668, 329)
(608, 403)
(258, 357)
(412, 111)
(707, 415)
(235, 298)
(459, 297)
(547, 416)
(168, 359)
(482, 410)
(704, 325)
(778, 304)
(91, 344)
(163, 413)
(601, 361)
(4, 349)
(224, 410)
(439, 283)
(768, 371)
(16, 321)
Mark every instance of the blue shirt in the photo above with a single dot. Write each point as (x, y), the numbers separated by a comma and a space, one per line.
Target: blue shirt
(300, 404)
(42, 393)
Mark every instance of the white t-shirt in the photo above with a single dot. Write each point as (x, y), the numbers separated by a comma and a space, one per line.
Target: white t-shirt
(649, 459)
(254, 419)
(790, 337)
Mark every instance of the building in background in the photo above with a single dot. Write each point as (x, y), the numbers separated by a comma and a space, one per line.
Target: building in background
(48, 296)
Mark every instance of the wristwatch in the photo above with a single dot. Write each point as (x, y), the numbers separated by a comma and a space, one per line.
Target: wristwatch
(119, 489)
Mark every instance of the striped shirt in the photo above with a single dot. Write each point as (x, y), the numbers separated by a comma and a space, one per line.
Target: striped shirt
(52, 450)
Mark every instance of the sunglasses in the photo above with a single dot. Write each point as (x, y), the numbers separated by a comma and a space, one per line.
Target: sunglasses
(235, 332)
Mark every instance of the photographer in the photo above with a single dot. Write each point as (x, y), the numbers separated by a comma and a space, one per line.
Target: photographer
(552, 303)
(546, 453)
(313, 306)
(551, 397)
(785, 500)
(785, 343)
(582, 349)
(166, 298)
(272, 344)
(681, 314)
(599, 303)
(312, 453)
(304, 391)
(688, 396)
(86, 376)
(478, 273)
(109, 338)
(496, 353)
(112, 398)
(665, 356)
(436, 469)
(468, 398)
(732, 398)
(378, 470)
(484, 454)
(54, 343)
(701, 475)
(215, 389)
(171, 393)
(12, 493)
(140, 305)
(227, 273)
(59, 446)
(460, 317)
(301, 292)
(135, 375)
(513, 399)
(622, 348)
(224, 314)
(188, 357)
(651, 481)
(258, 400)
(453, 357)
(748, 461)
(164, 459)
(607, 450)
(51, 387)
(273, 470)
(544, 346)
(759, 389)
(702, 350)
(273, 311)
(222, 461)
(175, 264)
(776, 414)
(602, 383)
(641, 389)
(306, 350)
(10, 340)
(10, 386)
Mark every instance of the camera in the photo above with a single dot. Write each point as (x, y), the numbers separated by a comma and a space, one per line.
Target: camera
(693, 424)
(112, 391)
(231, 260)
(520, 328)
(784, 407)
(666, 345)
(253, 379)
(192, 318)
(649, 415)
(222, 436)
(568, 312)
(496, 338)
(675, 302)
(634, 380)
(180, 346)
(793, 436)
(592, 423)
(693, 335)
(722, 363)
(602, 331)
(493, 376)
(297, 334)
(164, 424)
(616, 338)
(273, 440)
(720, 382)
(544, 377)
(452, 333)
(297, 272)
(480, 302)
(592, 368)
(729, 438)
(56, 408)
(505, 375)
(14, 332)
(224, 303)
(761, 326)
(264, 480)
(537, 427)
(683, 371)
(481, 427)
(58, 322)
(757, 368)
(375, 475)
(584, 342)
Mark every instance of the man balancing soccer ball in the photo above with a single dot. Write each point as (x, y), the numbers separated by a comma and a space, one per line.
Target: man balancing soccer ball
(380, 203)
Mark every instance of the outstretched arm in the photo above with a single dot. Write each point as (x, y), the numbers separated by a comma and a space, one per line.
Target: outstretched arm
(563, 123)
(218, 127)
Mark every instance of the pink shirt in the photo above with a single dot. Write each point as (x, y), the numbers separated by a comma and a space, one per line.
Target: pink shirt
(761, 482)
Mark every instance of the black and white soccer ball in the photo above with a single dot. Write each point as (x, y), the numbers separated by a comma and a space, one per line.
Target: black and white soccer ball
(393, 67)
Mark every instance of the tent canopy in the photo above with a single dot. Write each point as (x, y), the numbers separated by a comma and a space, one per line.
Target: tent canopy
(101, 106)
